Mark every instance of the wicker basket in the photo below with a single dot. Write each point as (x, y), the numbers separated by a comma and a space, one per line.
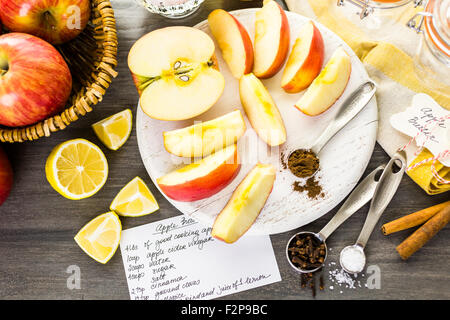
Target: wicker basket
(91, 58)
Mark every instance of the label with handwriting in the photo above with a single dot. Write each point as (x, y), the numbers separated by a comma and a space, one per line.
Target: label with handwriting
(177, 259)
(428, 122)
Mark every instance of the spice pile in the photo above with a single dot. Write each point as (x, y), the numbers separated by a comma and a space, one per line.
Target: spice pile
(303, 164)
(312, 188)
(306, 252)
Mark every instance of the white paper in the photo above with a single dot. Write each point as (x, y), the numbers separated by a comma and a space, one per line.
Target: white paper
(177, 259)
(425, 119)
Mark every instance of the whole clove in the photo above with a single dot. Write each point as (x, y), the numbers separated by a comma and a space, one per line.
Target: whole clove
(306, 251)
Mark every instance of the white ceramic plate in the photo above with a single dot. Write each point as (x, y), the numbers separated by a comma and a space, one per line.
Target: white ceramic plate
(343, 160)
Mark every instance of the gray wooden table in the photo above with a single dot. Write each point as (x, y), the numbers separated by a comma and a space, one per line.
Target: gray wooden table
(37, 225)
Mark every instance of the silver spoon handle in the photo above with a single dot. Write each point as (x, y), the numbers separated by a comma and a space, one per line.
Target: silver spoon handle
(386, 188)
(358, 198)
(350, 108)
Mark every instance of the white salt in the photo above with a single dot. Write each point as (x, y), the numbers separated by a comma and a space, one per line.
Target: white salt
(353, 259)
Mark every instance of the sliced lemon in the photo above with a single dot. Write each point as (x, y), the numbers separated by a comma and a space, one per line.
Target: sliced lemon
(77, 169)
(134, 200)
(100, 237)
(114, 130)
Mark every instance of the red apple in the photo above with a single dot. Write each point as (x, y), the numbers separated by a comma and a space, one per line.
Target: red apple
(245, 204)
(56, 21)
(261, 110)
(305, 61)
(176, 73)
(233, 40)
(202, 178)
(272, 39)
(35, 81)
(6, 177)
(328, 86)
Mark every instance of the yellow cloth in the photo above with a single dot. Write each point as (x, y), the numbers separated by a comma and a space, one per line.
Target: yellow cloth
(385, 62)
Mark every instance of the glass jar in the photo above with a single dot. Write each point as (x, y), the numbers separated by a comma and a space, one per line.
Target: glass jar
(373, 14)
(432, 58)
(173, 9)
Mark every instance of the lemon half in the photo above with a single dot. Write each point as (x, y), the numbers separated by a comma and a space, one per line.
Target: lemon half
(77, 169)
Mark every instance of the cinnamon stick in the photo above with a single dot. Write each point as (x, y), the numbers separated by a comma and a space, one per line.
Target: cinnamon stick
(413, 219)
(422, 235)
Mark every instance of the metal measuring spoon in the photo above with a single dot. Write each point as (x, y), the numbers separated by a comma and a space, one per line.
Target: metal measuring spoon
(350, 108)
(358, 198)
(386, 188)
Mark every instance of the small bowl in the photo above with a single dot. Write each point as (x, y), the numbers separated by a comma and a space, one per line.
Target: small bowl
(315, 235)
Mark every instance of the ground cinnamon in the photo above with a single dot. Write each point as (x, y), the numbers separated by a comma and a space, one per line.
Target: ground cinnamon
(312, 188)
(422, 235)
(303, 163)
(413, 219)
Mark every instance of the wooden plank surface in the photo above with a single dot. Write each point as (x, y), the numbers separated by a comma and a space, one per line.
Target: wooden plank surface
(37, 225)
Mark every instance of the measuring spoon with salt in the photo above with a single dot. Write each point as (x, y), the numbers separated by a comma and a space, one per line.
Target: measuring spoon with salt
(350, 108)
(358, 198)
(352, 258)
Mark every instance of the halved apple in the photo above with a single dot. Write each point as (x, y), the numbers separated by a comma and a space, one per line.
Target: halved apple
(272, 39)
(233, 40)
(328, 86)
(261, 110)
(175, 72)
(204, 138)
(245, 204)
(202, 178)
(305, 61)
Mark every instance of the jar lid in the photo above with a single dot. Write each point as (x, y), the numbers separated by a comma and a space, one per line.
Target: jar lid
(437, 25)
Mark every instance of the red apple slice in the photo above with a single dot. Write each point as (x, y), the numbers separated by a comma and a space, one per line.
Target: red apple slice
(305, 60)
(245, 204)
(202, 178)
(261, 110)
(175, 72)
(234, 42)
(204, 138)
(272, 39)
(328, 86)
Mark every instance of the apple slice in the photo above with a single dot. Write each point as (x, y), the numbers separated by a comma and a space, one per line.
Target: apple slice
(175, 72)
(261, 110)
(272, 39)
(305, 61)
(328, 86)
(202, 178)
(245, 204)
(204, 138)
(234, 42)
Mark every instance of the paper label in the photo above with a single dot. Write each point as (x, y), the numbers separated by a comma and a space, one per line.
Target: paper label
(177, 259)
(426, 120)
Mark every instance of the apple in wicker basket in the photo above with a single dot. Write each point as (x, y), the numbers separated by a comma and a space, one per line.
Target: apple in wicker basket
(54, 21)
(35, 81)
(175, 73)
(6, 177)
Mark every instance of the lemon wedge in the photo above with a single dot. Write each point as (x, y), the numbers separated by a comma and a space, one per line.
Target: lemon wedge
(134, 200)
(114, 131)
(100, 237)
(77, 169)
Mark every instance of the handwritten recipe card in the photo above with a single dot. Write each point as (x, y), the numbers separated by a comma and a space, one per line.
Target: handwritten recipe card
(176, 259)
